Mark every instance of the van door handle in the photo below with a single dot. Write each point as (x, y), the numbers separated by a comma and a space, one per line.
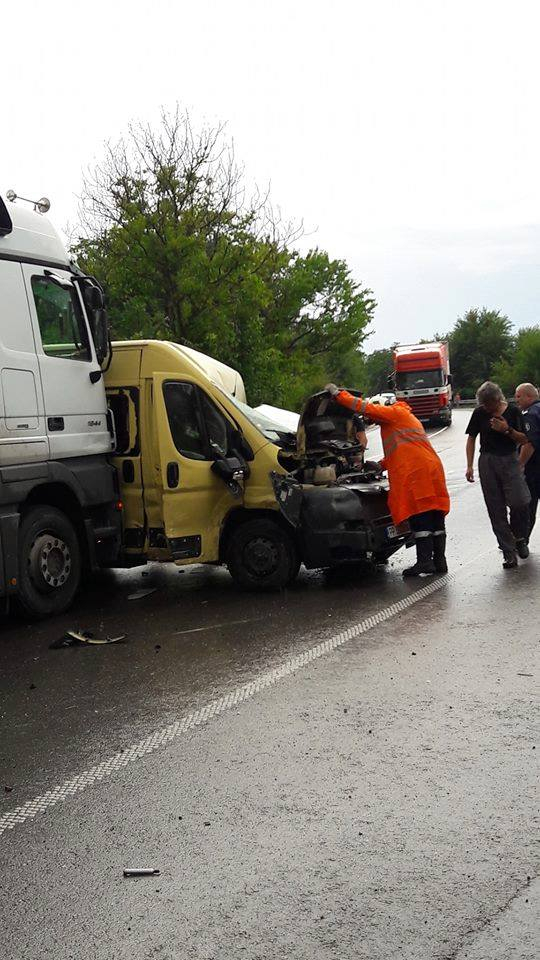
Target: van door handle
(173, 475)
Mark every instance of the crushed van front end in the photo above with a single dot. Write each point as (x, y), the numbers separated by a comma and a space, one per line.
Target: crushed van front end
(337, 524)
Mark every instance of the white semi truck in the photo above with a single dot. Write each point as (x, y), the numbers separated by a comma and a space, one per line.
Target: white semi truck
(57, 487)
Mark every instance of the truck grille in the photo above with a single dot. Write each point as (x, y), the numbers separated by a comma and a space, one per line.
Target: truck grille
(424, 406)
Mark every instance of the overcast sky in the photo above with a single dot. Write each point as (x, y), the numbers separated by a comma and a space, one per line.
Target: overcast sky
(405, 133)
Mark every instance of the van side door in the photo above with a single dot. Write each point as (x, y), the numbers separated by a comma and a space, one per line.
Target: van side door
(192, 432)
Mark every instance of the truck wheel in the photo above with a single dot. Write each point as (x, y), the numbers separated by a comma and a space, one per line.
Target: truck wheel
(262, 554)
(49, 563)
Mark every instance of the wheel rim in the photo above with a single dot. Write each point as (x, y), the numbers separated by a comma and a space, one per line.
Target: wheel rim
(49, 562)
(261, 557)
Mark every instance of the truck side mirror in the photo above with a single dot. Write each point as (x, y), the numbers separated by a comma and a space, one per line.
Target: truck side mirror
(449, 379)
(93, 297)
(100, 331)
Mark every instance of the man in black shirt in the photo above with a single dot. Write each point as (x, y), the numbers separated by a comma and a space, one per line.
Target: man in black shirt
(528, 401)
(500, 428)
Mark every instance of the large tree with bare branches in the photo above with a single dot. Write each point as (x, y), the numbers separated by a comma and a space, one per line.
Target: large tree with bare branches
(187, 254)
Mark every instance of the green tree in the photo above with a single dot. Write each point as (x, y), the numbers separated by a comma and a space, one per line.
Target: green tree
(185, 255)
(378, 367)
(524, 364)
(479, 340)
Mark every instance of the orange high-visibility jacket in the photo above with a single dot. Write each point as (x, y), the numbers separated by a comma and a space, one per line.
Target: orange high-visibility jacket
(415, 472)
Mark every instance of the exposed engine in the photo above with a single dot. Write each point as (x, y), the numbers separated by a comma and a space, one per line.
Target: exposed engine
(334, 499)
(326, 449)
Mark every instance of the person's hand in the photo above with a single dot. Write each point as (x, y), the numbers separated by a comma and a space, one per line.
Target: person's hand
(469, 474)
(332, 389)
(499, 424)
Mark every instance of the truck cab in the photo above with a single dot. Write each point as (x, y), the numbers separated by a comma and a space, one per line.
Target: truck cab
(56, 484)
(422, 378)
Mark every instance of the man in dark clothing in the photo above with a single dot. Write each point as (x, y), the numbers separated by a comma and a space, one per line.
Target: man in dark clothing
(528, 401)
(500, 428)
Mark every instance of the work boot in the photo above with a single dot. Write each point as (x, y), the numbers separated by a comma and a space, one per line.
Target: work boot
(439, 553)
(510, 559)
(424, 563)
(522, 549)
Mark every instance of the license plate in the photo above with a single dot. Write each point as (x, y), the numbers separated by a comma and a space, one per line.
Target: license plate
(397, 531)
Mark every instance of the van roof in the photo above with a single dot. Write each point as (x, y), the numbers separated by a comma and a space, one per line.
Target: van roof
(220, 373)
(29, 236)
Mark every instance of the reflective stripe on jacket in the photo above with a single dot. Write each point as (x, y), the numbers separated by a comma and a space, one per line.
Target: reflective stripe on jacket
(415, 472)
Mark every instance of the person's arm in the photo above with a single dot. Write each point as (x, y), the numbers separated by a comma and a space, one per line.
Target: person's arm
(471, 444)
(361, 436)
(372, 410)
(525, 452)
(501, 426)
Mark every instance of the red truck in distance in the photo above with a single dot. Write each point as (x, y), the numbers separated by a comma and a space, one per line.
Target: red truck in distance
(422, 378)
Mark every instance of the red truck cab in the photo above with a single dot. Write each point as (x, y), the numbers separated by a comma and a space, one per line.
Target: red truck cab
(422, 378)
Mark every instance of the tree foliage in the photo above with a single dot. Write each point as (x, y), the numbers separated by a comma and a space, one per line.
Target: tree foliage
(377, 368)
(479, 340)
(523, 366)
(185, 254)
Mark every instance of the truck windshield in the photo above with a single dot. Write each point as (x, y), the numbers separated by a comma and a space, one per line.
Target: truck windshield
(419, 379)
(272, 431)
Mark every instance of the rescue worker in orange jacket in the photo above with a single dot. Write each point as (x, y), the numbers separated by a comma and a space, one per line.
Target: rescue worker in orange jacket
(416, 477)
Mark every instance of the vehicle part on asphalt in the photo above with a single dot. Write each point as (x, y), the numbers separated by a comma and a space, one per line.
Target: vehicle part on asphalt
(74, 638)
(139, 594)
(141, 872)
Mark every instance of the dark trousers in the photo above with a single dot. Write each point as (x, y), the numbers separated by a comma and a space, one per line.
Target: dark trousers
(428, 524)
(504, 488)
(533, 484)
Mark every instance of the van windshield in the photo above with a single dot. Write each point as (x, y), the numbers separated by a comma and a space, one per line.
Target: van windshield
(269, 429)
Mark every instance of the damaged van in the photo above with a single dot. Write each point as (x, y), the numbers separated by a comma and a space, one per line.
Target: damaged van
(206, 479)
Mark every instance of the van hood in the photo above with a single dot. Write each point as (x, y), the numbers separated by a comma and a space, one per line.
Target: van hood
(325, 426)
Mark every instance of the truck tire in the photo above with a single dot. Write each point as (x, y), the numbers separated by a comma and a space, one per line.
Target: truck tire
(49, 563)
(261, 554)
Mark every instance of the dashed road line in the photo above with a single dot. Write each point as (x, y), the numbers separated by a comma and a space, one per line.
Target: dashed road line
(166, 735)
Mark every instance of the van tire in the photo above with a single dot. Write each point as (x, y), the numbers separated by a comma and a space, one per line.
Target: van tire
(49, 563)
(262, 554)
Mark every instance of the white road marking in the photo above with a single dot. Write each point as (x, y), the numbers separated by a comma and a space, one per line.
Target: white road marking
(437, 432)
(160, 738)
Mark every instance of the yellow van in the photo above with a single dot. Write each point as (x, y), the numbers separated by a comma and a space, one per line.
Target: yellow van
(205, 479)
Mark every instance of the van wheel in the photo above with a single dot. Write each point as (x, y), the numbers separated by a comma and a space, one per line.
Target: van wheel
(262, 554)
(49, 563)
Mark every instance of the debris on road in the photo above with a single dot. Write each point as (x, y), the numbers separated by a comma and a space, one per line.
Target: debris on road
(525, 674)
(216, 626)
(141, 872)
(8, 789)
(75, 638)
(139, 594)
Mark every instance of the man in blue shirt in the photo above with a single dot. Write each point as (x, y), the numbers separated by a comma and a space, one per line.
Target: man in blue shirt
(528, 401)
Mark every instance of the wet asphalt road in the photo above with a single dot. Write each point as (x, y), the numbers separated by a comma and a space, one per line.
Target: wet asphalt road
(305, 793)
